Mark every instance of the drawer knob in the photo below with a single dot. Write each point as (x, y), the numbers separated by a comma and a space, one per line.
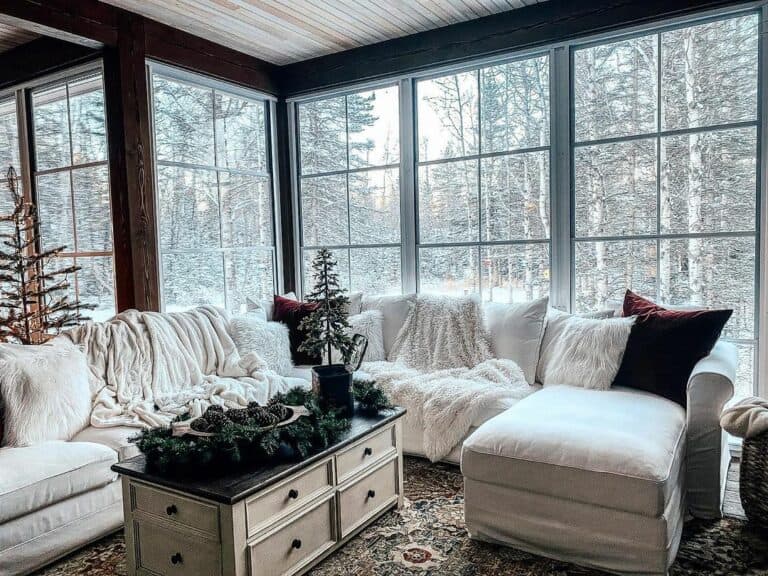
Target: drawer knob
(368, 451)
(171, 510)
(176, 558)
(296, 544)
(371, 493)
(293, 494)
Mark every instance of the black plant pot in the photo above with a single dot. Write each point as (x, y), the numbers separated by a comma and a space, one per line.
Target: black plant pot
(333, 385)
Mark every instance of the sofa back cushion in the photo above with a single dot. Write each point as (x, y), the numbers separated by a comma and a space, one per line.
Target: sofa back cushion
(394, 310)
(45, 392)
(516, 332)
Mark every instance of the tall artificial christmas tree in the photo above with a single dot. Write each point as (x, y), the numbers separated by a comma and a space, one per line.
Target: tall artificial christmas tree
(34, 292)
(327, 328)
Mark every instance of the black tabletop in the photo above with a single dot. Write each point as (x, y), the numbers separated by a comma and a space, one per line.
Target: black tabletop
(234, 486)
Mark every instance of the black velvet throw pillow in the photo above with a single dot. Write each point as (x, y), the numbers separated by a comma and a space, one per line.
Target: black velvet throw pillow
(664, 346)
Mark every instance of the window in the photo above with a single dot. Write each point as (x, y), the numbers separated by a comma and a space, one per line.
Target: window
(665, 172)
(349, 182)
(639, 170)
(9, 150)
(71, 184)
(214, 193)
(483, 182)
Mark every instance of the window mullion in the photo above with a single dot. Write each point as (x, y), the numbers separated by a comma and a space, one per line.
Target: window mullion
(560, 178)
(408, 186)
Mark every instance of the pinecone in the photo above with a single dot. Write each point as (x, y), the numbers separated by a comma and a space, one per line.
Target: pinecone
(238, 415)
(200, 425)
(215, 408)
(263, 417)
(279, 410)
(215, 416)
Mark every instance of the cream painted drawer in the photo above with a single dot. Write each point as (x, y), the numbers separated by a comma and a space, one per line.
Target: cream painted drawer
(365, 453)
(267, 508)
(166, 552)
(176, 509)
(292, 547)
(368, 496)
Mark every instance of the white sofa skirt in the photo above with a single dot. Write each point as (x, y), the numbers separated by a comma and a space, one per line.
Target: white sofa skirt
(32, 541)
(586, 534)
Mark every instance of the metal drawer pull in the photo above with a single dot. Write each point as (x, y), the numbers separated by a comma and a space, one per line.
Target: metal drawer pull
(371, 494)
(296, 544)
(293, 494)
(368, 451)
(171, 510)
(176, 558)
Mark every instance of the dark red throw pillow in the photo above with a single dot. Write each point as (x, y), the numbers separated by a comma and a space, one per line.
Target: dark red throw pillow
(291, 313)
(664, 346)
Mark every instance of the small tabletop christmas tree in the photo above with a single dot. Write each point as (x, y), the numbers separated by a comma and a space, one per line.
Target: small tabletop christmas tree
(327, 328)
(34, 300)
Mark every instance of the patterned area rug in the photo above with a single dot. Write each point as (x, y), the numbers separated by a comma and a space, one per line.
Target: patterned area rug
(427, 537)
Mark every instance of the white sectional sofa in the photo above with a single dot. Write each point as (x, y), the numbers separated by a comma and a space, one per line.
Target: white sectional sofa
(56, 497)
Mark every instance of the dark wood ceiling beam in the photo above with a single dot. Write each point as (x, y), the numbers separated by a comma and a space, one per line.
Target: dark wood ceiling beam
(40, 57)
(534, 26)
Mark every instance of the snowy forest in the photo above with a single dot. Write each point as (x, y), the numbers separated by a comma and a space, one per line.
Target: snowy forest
(214, 194)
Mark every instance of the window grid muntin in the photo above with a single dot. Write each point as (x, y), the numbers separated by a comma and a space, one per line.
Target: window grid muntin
(479, 157)
(70, 168)
(305, 249)
(214, 87)
(659, 134)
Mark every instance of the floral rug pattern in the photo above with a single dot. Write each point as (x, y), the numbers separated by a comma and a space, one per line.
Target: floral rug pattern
(427, 537)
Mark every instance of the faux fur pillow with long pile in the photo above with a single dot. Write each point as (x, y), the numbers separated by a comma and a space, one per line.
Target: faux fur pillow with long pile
(582, 352)
(45, 392)
(269, 340)
(442, 332)
(369, 324)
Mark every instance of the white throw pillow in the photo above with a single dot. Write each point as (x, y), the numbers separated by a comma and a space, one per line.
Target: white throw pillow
(582, 352)
(516, 331)
(369, 324)
(269, 340)
(45, 392)
(394, 309)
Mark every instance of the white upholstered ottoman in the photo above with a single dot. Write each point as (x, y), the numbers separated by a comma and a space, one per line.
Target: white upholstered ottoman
(590, 477)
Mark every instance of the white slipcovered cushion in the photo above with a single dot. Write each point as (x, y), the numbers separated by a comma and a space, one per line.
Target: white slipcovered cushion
(619, 449)
(394, 310)
(37, 476)
(269, 340)
(44, 391)
(582, 352)
(116, 438)
(516, 331)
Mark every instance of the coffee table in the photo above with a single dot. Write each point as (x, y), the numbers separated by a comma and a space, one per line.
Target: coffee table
(263, 521)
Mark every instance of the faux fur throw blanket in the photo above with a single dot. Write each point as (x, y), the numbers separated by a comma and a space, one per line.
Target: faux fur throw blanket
(446, 403)
(747, 418)
(442, 332)
(147, 367)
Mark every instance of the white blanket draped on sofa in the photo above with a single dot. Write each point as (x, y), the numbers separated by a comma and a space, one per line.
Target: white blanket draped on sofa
(147, 367)
(443, 371)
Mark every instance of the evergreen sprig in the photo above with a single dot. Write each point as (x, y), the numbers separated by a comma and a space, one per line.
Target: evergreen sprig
(369, 396)
(235, 444)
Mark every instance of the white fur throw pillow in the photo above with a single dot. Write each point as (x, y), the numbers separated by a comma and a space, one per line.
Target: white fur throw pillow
(582, 352)
(369, 324)
(269, 340)
(45, 392)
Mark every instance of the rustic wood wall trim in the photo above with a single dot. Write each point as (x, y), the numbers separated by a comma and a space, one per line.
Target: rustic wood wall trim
(40, 57)
(525, 28)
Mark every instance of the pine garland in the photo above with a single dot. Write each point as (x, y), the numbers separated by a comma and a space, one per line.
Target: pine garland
(369, 396)
(237, 443)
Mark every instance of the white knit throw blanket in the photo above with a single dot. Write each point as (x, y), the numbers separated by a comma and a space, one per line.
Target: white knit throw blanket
(747, 418)
(444, 374)
(147, 367)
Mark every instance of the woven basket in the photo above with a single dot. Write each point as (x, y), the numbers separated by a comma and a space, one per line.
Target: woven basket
(753, 481)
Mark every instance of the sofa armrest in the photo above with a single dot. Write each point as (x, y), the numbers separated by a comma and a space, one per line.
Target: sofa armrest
(710, 386)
